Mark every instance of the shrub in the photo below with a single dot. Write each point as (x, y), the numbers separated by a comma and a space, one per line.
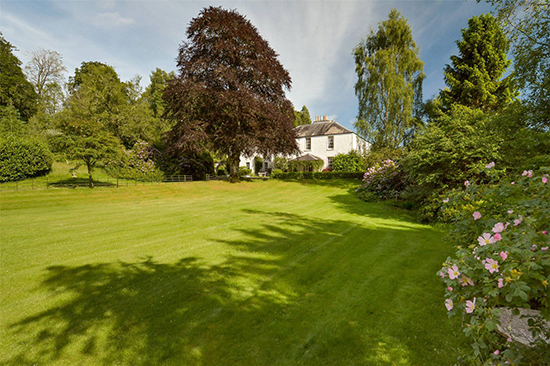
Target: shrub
(244, 171)
(350, 162)
(305, 165)
(384, 180)
(22, 158)
(452, 149)
(502, 262)
(194, 164)
(280, 162)
(258, 164)
(276, 173)
(135, 163)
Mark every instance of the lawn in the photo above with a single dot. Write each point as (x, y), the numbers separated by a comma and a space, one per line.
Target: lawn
(213, 273)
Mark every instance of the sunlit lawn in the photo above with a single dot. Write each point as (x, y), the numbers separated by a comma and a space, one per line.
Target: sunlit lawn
(213, 273)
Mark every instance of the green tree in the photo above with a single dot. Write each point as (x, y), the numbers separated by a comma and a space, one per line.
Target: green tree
(229, 96)
(15, 89)
(154, 92)
(302, 117)
(475, 76)
(83, 138)
(389, 85)
(118, 106)
(527, 22)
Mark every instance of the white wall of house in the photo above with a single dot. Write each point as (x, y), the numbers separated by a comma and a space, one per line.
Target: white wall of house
(249, 163)
(343, 144)
(320, 146)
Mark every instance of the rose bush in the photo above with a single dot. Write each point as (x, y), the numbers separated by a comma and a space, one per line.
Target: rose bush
(135, 163)
(502, 261)
(384, 180)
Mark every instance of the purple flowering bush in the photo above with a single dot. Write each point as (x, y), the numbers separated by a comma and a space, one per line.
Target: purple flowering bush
(384, 180)
(135, 163)
(502, 262)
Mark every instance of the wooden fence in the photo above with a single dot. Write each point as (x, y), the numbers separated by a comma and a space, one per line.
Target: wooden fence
(44, 183)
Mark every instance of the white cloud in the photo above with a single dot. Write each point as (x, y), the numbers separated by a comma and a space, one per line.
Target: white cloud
(112, 20)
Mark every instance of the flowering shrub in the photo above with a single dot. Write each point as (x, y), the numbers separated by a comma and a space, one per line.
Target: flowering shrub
(135, 163)
(502, 262)
(384, 180)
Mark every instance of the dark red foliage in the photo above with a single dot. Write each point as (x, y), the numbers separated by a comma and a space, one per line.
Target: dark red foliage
(229, 95)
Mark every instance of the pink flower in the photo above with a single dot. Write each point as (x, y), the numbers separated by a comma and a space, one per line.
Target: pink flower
(498, 227)
(500, 283)
(450, 289)
(490, 165)
(485, 239)
(477, 215)
(544, 248)
(467, 183)
(504, 255)
(496, 352)
(470, 306)
(465, 281)
(497, 237)
(545, 232)
(510, 212)
(513, 183)
(518, 221)
(453, 272)
(449, 304)
(544, 180)
(491, 265)
(528, 173)
(446, 200)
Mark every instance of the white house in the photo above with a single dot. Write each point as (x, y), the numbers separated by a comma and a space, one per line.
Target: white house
(321, 140)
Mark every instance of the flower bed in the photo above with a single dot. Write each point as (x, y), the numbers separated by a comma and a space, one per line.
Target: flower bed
(502, 262)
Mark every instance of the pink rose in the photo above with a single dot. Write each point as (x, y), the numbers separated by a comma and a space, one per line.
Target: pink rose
(476, 215)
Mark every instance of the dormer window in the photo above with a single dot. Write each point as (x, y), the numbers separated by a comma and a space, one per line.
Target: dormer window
(308, 143)
(330, 145)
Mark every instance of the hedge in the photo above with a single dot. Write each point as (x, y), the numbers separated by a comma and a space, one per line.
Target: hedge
(22, 158)
(317, 175)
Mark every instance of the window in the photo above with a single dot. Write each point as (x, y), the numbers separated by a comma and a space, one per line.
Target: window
(308, 143)
(329, 161)
(248, 164)
(330, 143)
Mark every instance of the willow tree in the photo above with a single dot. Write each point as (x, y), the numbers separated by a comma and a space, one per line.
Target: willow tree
(389, 85)
(229, 95)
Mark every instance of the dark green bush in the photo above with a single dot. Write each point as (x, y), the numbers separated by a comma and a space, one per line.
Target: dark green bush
(22, 158)
(258, 164)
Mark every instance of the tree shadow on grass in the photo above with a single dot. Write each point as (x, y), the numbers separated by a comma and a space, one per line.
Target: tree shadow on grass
(292, 290)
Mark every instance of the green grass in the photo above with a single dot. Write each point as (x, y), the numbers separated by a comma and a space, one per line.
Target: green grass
(212, 273)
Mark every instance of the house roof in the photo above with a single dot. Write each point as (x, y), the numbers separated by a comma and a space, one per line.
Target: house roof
(307, 157)
(321, 129)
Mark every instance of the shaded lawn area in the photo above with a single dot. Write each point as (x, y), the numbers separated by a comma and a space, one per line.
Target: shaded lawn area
(212, 273)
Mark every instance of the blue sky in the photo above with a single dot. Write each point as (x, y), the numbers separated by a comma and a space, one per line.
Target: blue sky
(314, 39)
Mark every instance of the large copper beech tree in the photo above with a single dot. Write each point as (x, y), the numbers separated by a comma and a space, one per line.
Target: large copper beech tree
(229, 95)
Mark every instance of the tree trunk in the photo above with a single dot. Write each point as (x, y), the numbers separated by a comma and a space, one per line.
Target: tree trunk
(233, 160)
(90, 168)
